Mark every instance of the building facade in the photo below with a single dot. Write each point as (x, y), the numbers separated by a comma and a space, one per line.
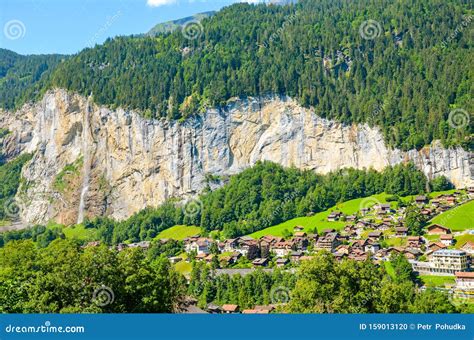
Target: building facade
(443, 262)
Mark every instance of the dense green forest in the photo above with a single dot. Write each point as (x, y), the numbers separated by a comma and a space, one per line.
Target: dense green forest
(64, 278)
(39, 234)
(24, 77)
(259, 197)
(253, 289)
(327, 286)
(407, 79)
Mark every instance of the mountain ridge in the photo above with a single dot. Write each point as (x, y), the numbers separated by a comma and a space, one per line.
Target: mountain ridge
(171, 25)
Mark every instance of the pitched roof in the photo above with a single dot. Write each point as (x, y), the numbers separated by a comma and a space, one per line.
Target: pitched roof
(331, 236)
(468, 243)
(260, 261)
(282, 261)
(438, 244)
(433, 226)
(203, 242)
(246, 238)
(230, 308)
(413, 238)
(467, 275)
(264, 308)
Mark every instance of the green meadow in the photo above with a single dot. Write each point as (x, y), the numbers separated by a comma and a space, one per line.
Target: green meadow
(462, 239)
(179, 232)
(77, 231)
(458, 218)
(319, 220)
(183, 267)
(436, 281)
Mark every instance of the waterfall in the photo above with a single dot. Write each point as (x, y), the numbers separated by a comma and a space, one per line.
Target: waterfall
(87, 140)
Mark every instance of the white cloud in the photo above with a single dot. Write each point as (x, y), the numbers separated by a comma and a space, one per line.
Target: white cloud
(157, 3)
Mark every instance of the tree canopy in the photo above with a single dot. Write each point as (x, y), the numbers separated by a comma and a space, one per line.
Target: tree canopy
(65, 278)
(325, 285)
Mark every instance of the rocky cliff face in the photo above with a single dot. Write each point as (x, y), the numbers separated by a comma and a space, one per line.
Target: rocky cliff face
(89, 160)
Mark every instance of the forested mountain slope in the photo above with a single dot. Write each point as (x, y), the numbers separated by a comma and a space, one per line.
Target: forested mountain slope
(172, 25)
(21, 77)
(403, 66)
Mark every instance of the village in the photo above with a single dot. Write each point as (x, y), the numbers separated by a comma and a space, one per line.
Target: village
(373, 233)
(369, 234)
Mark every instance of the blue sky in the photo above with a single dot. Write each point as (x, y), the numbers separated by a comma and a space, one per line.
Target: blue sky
(67, 26)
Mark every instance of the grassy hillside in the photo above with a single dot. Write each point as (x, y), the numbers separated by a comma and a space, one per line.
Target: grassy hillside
(319, 220)
(179, 232)
(436, 281)
(459, 218)
(461, 239)
(79, 232)
(183, 267)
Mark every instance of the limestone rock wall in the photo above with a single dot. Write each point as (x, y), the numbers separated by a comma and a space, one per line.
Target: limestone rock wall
(127, 162)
